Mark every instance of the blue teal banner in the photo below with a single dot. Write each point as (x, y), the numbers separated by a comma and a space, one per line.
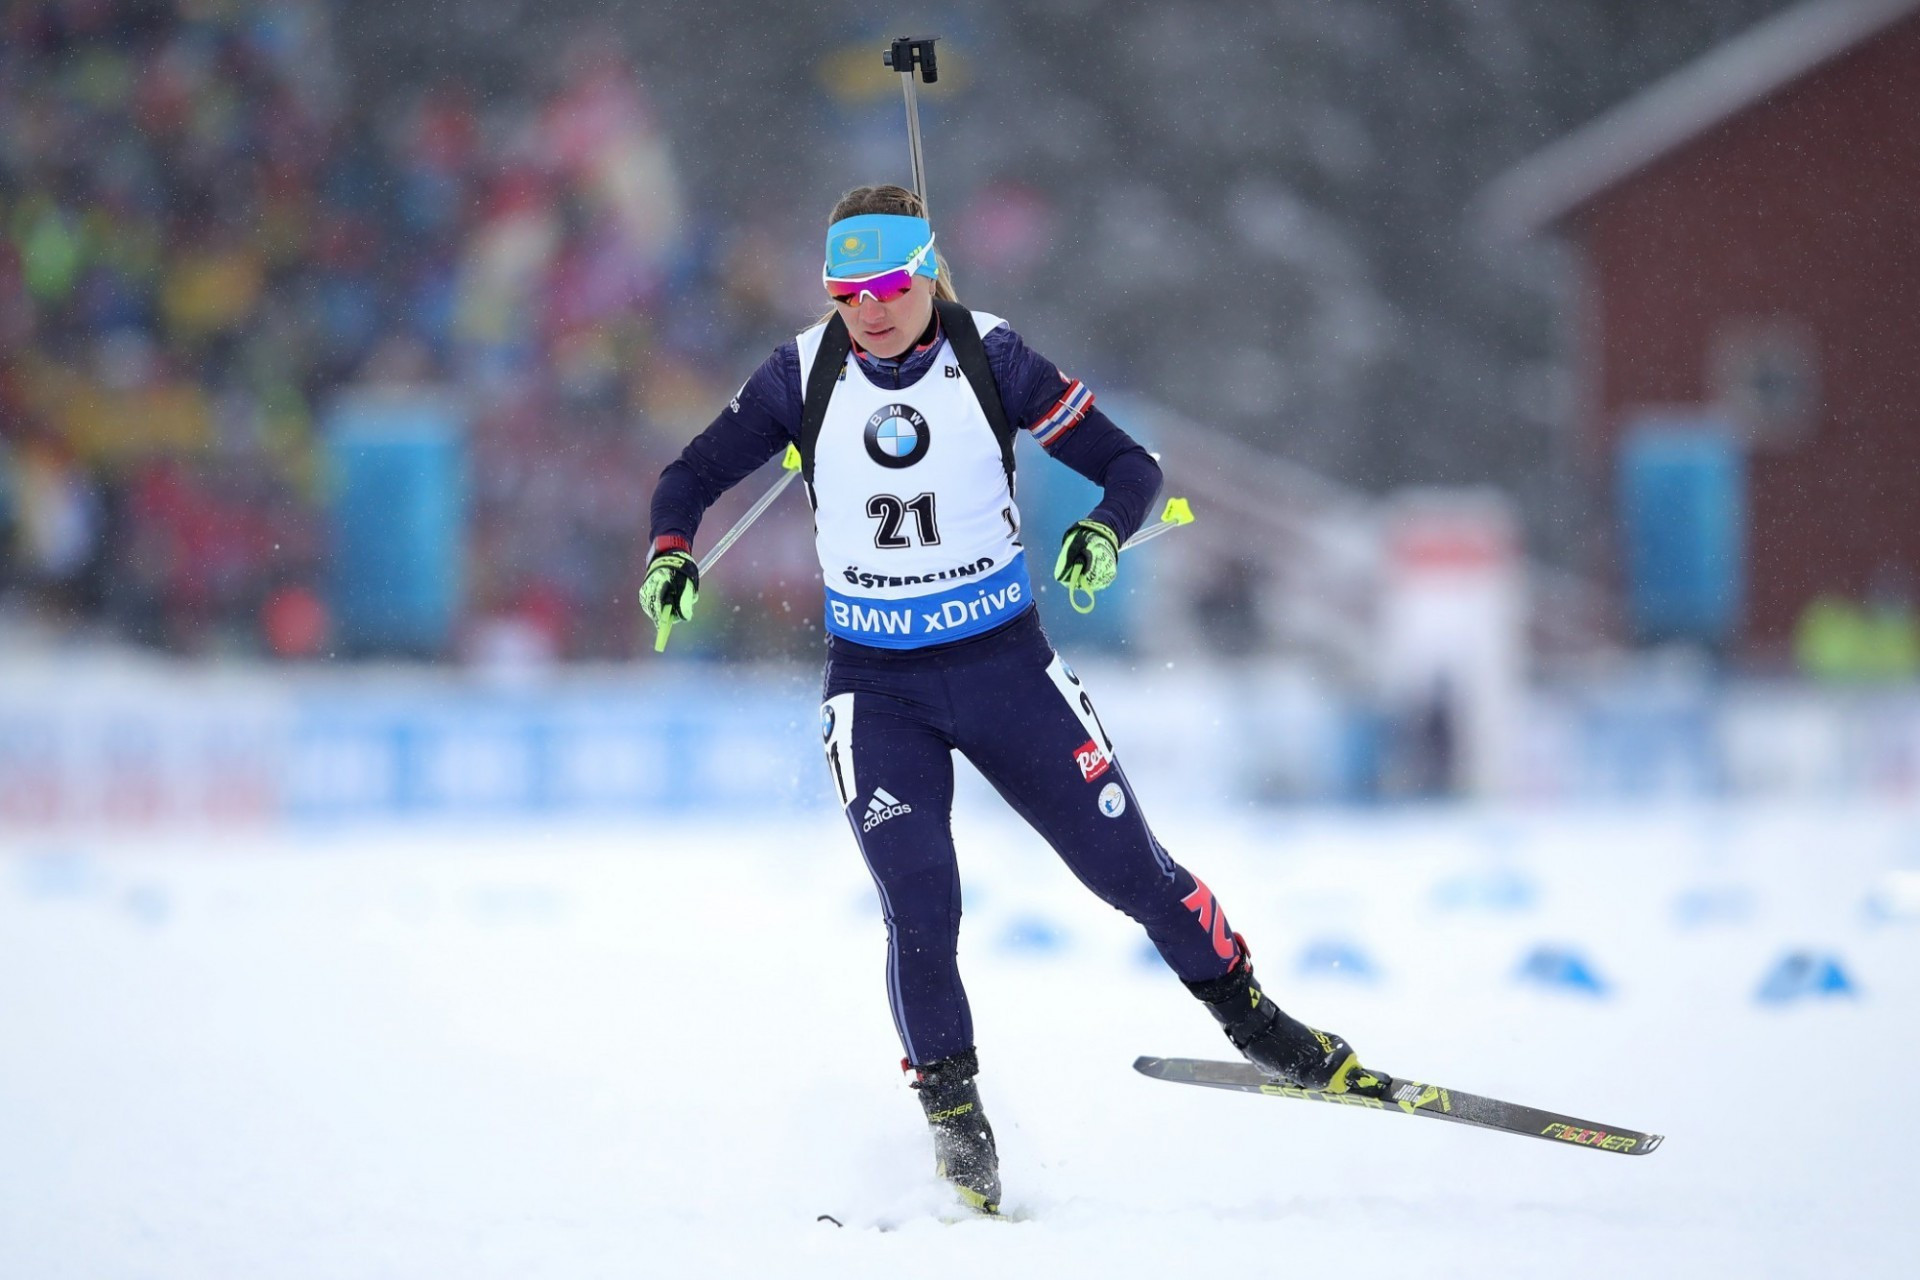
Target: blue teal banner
(1683, 523)
(396, 571)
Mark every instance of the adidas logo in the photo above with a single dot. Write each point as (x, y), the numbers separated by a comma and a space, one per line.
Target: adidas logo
(881, 807)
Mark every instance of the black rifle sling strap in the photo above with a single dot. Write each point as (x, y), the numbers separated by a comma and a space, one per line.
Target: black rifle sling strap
(964, 336)
(829, 363)
(830, 360)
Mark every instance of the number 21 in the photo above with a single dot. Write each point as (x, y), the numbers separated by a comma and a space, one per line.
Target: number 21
(891, 511)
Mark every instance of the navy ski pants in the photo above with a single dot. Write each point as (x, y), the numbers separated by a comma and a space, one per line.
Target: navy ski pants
(1005, 700)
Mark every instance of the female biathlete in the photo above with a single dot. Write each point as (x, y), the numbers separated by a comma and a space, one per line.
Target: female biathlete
(903, 406)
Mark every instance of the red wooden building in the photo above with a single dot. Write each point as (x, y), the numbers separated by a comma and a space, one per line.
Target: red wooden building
(1749, 236)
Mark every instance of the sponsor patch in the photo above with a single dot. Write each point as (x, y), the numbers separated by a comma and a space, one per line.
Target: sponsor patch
(1113, 800)
(968, 606)
(897, 436)
(882, 806)
(858, 577)
(1092, 760)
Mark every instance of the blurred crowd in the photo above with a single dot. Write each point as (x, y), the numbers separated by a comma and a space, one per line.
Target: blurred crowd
(207, 232)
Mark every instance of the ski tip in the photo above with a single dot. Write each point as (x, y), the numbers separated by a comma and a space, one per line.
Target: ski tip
(1649, 1143)
(1146, 1064)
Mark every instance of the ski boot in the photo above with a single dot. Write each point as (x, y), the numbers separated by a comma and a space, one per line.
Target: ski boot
(963, 1150)
(1283, 1047)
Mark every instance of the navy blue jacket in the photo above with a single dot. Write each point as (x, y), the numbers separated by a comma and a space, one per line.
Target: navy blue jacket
(764, 417)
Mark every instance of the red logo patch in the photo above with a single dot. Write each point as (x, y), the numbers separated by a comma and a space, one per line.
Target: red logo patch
(1201, 902)
(1092, 760)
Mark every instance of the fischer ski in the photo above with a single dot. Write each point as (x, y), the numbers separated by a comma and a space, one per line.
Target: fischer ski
(1412, 1098)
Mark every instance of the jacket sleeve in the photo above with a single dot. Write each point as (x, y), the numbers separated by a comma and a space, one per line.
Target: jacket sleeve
(760, 421)
(1059, 413)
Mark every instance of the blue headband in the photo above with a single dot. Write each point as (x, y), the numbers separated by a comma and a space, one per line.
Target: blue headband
(869, 243)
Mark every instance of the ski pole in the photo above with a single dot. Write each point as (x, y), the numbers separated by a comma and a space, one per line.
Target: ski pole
(1178, 512)
(789, 468)
(901, 56)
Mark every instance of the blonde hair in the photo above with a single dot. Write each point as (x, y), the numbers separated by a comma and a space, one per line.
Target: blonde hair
(893, 199)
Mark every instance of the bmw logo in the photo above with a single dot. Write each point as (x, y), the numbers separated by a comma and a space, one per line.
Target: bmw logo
(897, 436)
(826, 723)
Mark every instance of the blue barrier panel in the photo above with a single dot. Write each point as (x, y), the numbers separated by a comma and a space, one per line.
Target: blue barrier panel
(431, 750)
(1647, 743)
(1683, 516)
(397, 523)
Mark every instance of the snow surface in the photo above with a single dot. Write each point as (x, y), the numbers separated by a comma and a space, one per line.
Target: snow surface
(581, 1052)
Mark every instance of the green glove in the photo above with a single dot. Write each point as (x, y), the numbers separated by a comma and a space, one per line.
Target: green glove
(1089, 560)
(668, 592)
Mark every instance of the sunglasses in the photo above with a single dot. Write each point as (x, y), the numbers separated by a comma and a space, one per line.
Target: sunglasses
(886, 286)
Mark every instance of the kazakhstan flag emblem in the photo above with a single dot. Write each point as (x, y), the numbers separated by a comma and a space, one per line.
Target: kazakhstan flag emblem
(856, 247)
